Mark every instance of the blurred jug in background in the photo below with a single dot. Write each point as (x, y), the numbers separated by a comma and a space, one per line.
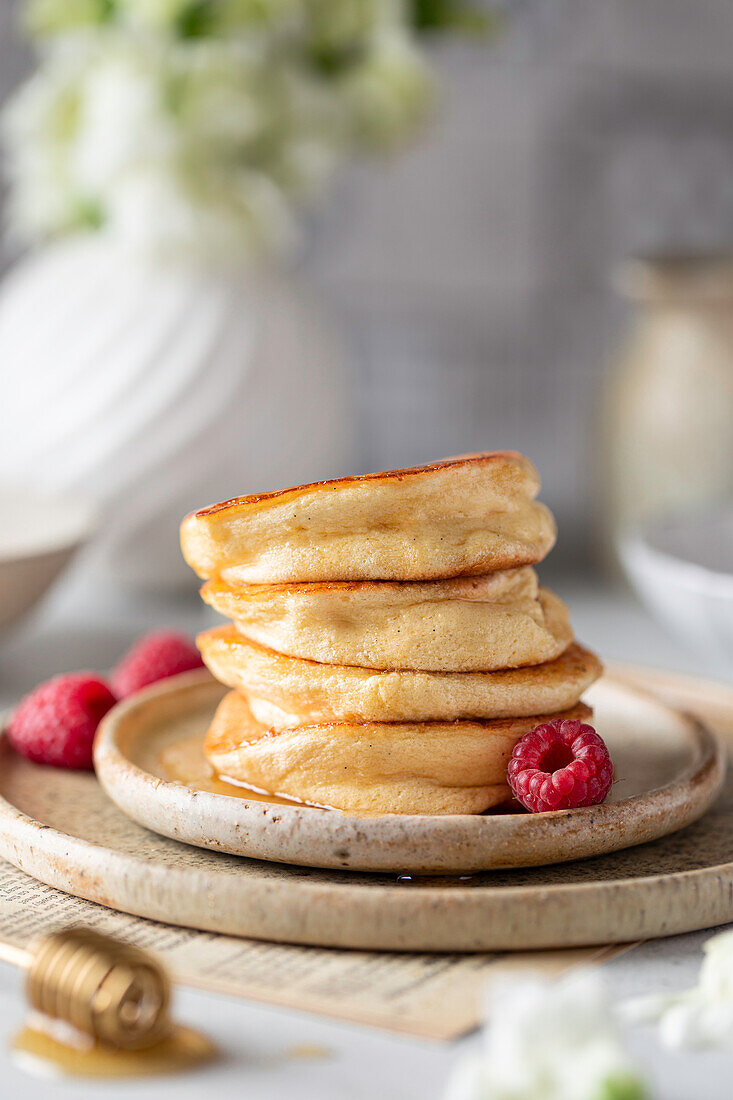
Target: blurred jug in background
(668, 416)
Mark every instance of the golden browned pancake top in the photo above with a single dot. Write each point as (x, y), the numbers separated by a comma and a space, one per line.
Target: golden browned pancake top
(459, 517)
(480, 458)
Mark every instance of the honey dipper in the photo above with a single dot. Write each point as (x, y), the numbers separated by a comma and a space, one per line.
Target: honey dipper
(116, 993)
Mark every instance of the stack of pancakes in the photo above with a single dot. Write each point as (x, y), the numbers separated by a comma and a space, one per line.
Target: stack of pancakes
(389, 641)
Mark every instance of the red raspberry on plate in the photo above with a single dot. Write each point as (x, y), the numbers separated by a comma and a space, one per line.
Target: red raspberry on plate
(56, 723)
(560, 765)
(154, 657)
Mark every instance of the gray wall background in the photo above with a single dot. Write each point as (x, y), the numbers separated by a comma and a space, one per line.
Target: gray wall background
(472, 272)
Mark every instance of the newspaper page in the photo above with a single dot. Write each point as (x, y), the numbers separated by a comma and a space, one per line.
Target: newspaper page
(425, 995)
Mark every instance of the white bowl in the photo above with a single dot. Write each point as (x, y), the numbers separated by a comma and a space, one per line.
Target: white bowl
(682, 569)
(39, 533)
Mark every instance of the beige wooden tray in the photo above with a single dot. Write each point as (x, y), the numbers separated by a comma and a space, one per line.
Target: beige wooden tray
(668, 770)
(60, 828)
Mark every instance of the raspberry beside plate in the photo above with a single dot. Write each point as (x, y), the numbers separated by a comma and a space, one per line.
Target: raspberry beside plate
(56, 723)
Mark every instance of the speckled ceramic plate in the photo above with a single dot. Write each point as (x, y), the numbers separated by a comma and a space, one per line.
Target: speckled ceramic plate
(61, 828)
(668, 771)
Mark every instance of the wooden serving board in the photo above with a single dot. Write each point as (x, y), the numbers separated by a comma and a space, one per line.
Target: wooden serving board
(63, 830)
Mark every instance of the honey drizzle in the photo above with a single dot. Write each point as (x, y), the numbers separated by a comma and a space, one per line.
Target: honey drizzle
(183, 761)
(38, 1049)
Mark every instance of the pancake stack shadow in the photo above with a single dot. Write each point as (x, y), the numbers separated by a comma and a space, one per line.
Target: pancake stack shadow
(389, 642)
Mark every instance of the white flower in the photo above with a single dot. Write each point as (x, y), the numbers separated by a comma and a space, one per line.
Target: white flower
(548, 1040)
(389, 92)
(39, 125)
(56, 16)
(122, 123)
(172, 218)
(697, 1018)
(50, 17)
(227, 127)
(155, 13)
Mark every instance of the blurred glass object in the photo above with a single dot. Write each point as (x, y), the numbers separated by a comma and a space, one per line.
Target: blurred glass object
(668, 498)
(682, 569)
(668, 415)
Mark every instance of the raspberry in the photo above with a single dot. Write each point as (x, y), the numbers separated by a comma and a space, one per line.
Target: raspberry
(560, 765)
(56, 723)
(155, 657)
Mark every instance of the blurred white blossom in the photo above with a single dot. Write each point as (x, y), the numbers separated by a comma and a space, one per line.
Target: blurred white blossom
(697, 1018)
(548, 1040)
(203, 126)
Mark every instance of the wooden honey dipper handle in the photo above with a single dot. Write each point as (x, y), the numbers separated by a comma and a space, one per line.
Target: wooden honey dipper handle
(16, 956)
(114, 992)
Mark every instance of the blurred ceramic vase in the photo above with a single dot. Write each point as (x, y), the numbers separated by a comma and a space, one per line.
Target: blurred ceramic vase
(151, 390)
(668, 427)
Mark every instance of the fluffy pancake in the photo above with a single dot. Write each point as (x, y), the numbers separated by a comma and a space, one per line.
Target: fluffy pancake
(398, 767)
(463, 516)
(344, 693)
(500, 620)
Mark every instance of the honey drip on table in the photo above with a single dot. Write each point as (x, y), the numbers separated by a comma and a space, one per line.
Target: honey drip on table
(39, 1048)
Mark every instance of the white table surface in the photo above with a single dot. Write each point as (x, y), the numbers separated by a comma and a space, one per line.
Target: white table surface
(73, 631)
